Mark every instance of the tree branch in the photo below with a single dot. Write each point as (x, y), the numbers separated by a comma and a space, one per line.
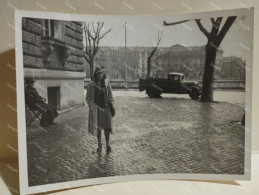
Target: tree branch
(219, 19)
(86, 58)
(174, 23)
(212, 20)
(93, 28)
(225, 29)
(92, 38)
(104, 34)
(202, 29)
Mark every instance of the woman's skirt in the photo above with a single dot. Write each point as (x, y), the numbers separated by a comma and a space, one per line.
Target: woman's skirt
(104, 120)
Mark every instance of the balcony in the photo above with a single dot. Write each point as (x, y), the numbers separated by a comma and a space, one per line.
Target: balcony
(55, 48)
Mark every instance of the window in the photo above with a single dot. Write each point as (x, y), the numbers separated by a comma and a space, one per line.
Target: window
(115, 76)
(174, 77)
(49, 28)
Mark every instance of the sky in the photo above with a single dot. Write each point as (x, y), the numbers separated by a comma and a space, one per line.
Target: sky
(142, 31)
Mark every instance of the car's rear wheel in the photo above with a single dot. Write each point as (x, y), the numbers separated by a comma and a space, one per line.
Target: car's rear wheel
(194, 93)
(152, 93)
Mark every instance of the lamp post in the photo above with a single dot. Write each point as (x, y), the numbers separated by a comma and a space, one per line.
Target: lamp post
(126, 63)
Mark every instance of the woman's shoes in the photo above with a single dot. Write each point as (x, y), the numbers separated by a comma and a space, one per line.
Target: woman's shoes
(108, 149)
(99, 149)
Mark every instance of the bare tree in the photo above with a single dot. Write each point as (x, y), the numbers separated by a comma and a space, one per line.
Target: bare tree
(214, 37)
(151, 53)
(93, 35)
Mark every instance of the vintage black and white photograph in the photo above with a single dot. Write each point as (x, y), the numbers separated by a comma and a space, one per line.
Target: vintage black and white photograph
(106, 96)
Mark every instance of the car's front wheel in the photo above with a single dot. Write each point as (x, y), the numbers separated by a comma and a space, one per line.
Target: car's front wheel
(194, 93)
(152, 93)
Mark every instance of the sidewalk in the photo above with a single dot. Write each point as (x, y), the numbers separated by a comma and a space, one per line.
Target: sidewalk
(169, 135)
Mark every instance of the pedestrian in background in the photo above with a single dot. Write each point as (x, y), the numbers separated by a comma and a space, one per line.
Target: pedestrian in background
(99, 96)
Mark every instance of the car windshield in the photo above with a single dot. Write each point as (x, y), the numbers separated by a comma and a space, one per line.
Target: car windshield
(176, 77)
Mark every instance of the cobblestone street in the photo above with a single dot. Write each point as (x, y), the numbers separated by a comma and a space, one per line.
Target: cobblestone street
(166, 135)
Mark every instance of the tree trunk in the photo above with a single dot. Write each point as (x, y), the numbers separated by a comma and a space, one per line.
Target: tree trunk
(208, 75)
(91, 70)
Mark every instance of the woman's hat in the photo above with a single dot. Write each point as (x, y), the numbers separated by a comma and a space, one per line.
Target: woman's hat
(98, 69)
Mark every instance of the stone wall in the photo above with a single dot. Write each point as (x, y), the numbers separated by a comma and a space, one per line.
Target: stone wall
(31, 36)
(68, 34)
(53, 56)
(74, 38)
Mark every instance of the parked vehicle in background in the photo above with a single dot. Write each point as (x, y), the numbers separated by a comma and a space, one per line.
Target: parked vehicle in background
(174, 84)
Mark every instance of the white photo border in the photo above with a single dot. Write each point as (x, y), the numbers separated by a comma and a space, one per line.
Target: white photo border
(23, 169)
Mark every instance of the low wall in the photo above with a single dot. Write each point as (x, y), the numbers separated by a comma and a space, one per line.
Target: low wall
(229, 84)
(71, 85)
(218, 84)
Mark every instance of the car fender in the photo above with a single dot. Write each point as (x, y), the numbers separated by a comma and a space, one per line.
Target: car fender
(196, 88)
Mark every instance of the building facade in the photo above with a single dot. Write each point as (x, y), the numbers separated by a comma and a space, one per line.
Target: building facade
(177, 58)
(188, 60)
(53, 56)
(114, 61)
(233, 68)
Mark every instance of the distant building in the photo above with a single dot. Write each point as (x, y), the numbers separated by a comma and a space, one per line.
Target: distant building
(53, 56)
(114, 61)
(188, 60)
(177, 58)
(233, 68)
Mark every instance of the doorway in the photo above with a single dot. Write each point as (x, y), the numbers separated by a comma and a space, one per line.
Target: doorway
(54, 97)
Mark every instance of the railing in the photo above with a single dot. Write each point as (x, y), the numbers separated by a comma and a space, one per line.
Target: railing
(134, 84)
(229, 84)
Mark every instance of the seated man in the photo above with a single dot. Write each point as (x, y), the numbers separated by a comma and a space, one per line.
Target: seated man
(36, 102)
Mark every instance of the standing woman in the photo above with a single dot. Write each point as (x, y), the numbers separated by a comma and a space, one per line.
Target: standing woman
(99, 96)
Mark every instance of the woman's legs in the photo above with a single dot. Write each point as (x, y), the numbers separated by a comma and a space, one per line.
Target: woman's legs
(99, 138)
(107, 133)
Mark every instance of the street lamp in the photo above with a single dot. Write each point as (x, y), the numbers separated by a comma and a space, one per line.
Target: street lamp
(126, 56)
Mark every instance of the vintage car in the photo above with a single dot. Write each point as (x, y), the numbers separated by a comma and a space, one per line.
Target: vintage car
(173, 84)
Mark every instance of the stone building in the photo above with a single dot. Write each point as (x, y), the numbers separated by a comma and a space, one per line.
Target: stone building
(53, 56)
(187, 60)
(233, 68)
(177, 58)
(114, 61)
